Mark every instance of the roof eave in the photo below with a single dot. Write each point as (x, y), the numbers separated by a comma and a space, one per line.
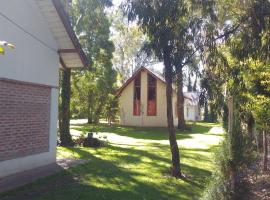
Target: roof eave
(65, 20)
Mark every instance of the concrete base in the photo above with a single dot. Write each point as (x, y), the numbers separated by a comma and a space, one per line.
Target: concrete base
(26, 177)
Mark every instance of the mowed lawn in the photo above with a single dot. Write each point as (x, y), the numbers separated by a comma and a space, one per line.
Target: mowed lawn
(133, 166)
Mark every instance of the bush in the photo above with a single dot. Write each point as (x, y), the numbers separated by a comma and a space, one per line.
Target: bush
(219, 186)
(90, 141)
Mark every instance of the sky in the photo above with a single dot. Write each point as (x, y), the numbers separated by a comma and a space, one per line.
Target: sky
(117, 2)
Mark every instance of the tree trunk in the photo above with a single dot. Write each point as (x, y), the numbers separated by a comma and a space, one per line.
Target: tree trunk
(176, 170)
(260, 142)
(194, 88)
(250, 123)
(206, 112)
(265, 151)
(89, 116)
(232, 167)
(180, 100)
(64, 125)
(89, 110)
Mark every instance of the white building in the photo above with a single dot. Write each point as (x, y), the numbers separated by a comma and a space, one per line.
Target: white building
(44, 42)
(192, 106)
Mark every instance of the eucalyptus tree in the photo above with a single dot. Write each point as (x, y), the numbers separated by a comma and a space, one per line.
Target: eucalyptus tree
(128, 40)
(158, 18)
(240, 65)
(251, 47)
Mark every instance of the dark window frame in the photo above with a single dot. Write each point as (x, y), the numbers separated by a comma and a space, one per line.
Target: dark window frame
(149, 86)
(137, 105)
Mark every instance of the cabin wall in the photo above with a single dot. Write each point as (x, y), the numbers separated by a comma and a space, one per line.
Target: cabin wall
(28, 78)
(31, 60)
(191, 112)
(126, 106)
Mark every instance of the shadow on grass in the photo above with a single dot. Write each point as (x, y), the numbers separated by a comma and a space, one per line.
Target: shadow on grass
(110, 178)
(159, 162)
(150, 133)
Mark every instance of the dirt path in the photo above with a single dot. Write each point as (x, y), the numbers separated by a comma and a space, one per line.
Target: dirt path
(256, 184)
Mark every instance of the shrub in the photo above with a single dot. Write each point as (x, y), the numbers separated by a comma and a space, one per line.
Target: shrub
(219, 186)
(90, 141)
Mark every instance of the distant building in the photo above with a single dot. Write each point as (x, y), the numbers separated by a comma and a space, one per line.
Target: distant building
(44, 42)
(192, 107)
(142, 100)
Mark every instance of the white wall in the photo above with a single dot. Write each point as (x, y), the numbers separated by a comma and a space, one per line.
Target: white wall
(33, 62)
(192, 112)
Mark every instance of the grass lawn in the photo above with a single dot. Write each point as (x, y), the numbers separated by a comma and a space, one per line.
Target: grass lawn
(134, 166)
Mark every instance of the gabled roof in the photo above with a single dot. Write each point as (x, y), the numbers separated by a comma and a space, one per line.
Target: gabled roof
(69, 48)
(157, 76)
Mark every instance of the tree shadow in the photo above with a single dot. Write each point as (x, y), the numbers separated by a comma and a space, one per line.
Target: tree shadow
(125, 174)
(149, 133)
(102, 180)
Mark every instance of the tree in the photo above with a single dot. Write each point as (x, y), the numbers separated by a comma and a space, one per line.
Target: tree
(64, 120)
(65, 92)
(238, 68)
(128, 40)
(158, 20)
(91, 88)
(111, 108)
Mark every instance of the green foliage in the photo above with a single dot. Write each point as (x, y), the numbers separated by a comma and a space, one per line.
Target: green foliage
(111, 108)
(239, 68)
(219, 186)
(91, 88)
(128, 39)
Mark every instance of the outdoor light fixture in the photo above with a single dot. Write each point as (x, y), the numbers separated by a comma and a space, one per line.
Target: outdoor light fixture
(4, 44)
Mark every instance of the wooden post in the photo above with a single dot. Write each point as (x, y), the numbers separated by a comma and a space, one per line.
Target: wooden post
(230, 115)
(230, 132)
(265, 151)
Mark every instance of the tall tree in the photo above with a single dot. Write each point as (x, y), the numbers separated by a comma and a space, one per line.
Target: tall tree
(92, 88)
(158, 19)
(238, 67)
(65, 92)
(128, 40)
(64, 116)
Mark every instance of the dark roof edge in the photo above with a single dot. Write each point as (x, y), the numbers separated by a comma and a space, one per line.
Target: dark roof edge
(120, 90)
(65, 20)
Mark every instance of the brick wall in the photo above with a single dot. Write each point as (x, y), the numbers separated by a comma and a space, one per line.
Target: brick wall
(24, 119)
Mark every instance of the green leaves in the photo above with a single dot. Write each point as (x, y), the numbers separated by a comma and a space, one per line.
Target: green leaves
(90, 89)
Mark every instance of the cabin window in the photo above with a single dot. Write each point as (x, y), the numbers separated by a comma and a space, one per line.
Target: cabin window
(137, 96)
(152, 96)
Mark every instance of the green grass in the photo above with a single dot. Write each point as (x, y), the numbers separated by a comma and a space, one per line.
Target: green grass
(134, 166)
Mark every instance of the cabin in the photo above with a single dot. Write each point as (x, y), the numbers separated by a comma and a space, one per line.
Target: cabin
(142, 101)
(29, 80)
